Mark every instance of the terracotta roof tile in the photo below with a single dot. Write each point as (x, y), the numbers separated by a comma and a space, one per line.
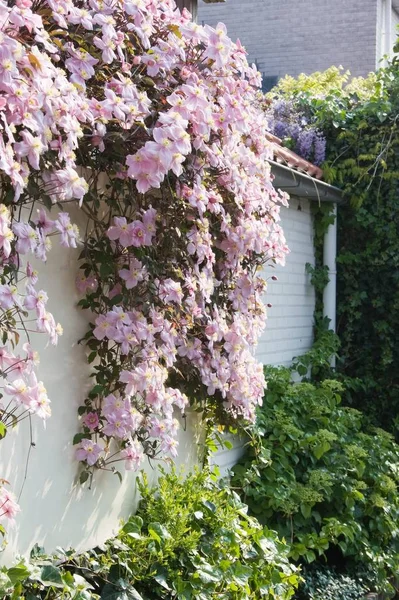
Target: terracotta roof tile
(291, 159)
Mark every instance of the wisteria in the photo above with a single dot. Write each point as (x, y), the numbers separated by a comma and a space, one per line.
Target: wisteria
(152, 124)
(295, 129)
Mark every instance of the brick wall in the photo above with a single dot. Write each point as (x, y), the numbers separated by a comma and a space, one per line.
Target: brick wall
(294, 36)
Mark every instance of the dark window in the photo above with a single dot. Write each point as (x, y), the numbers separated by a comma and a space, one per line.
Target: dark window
(268, 82)
(191, 5)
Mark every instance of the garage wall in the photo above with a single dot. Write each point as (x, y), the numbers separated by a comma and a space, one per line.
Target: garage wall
(56, 510)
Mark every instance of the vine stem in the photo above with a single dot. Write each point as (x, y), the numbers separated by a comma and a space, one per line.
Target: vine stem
(31, 445)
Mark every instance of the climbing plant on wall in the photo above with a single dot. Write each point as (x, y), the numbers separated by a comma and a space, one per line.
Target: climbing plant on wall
(360, 122)
(151, 124)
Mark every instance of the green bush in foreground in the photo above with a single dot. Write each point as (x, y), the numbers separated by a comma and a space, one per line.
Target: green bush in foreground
(316, 476)
(190, 539)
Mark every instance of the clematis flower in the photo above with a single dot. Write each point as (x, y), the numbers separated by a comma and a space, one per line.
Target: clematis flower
(134, 274)
(88, 451)
(133, 455)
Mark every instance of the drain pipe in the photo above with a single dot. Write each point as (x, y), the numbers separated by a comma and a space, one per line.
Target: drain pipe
(387, 27)
(329, 260)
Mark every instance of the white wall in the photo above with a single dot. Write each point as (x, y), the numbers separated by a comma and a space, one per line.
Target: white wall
(289, 330)
(381, 47)
(56, 511)
(290, 319)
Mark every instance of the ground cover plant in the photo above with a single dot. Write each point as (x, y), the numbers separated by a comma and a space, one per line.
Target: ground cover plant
(191, 539)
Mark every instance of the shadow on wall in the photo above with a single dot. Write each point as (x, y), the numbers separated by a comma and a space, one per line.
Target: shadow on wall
(55, 509)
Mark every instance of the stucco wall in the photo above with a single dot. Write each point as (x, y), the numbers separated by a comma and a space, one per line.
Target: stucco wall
(294, 36)
(57, 511)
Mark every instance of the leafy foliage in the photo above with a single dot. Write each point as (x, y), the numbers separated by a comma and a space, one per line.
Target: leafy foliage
(323, 583)
(360, 121)
(190, 539)
(317, 476)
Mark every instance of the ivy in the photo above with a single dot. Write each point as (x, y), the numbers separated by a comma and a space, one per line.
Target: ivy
(360, 121)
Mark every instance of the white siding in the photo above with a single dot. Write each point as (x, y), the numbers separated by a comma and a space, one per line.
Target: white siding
(381, 30)
(394, 30)
(289, 330)
(56, 510)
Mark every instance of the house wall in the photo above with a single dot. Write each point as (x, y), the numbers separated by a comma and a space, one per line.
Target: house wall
(56, 510)
(381, 47)
(295, 36)
(289, 330)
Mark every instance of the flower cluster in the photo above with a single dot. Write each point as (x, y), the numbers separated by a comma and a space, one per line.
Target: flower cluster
(9, 507)
(288, 122)
(152, 123)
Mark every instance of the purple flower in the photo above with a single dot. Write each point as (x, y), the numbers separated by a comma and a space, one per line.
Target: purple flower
(88, 451)
(319, 149)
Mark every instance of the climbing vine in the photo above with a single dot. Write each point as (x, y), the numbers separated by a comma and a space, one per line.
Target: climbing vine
(152, 125)
(360, 122)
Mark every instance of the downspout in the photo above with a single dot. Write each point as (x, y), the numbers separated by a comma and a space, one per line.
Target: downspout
(387, 27)
(329, 260)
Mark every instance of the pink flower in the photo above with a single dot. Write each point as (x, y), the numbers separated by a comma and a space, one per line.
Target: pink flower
(88, 451)
(6, 237)
(86, 284)
(73, 186)
(120, 231)
(69, 232)
(26, 237)
(133, 455)
(103, 328)
(9, 297)
(116, 425)
(9, 507)
(91, 420)
(170, 291)
(31, 147)
(35, 300)
(134, 274)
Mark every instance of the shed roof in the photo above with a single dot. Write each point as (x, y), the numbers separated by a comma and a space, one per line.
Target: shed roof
(299, 177)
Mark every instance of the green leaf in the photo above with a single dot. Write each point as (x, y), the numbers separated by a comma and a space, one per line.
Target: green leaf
(117, 592)
(133, 527)
(158, 532)
(3, 430)
(84, 476)
(161, 577)
(18, 573)
(306, 510)
(51, 575)
(321, 449)
(78, 437)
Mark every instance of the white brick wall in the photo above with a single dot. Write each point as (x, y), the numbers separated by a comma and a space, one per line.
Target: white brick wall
(294, 36)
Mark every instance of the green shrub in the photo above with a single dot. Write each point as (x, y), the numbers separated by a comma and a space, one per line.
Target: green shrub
(320, 479)
(191, 539)
(323, 583)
